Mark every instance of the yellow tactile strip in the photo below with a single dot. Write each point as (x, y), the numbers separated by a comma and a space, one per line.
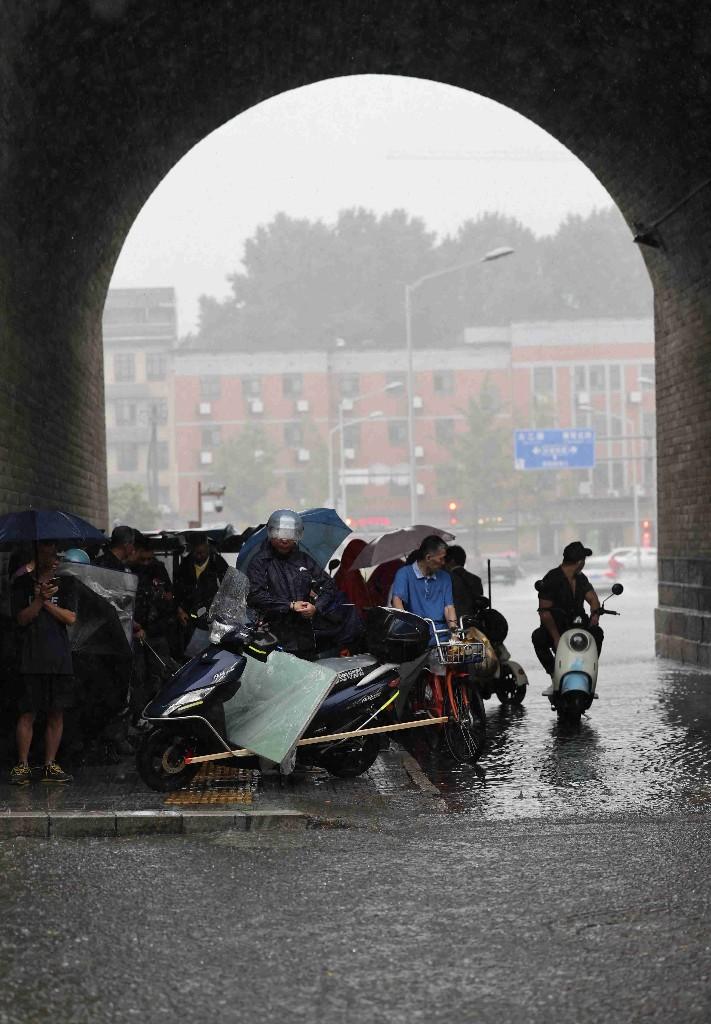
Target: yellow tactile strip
(217, 784)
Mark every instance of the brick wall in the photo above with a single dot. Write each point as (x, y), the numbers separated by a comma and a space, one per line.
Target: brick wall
(99, 98)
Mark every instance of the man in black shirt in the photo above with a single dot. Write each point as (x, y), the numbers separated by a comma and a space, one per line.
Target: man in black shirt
(466, 587)
(43, 606)
(562, 594)
(120, 551)
(197, 581)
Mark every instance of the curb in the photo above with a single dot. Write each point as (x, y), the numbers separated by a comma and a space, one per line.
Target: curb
(68, 824)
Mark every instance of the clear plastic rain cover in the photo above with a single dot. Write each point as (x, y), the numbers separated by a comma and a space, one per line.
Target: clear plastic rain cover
(229, 605)
(278, 698)
(98, 621)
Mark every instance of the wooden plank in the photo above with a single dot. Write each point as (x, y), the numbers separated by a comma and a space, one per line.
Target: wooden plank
(315, 740)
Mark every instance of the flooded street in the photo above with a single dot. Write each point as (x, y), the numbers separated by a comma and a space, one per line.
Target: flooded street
(645, 744)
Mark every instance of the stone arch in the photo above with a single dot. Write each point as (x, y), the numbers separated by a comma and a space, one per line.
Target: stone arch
(100, 98)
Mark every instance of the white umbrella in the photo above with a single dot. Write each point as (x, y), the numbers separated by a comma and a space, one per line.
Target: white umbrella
(397, 544)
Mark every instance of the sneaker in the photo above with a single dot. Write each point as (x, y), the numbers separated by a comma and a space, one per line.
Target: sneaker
(21, 774)
(53, 773)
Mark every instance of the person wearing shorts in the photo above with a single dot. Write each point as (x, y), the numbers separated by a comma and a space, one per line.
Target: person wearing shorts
(43, 606)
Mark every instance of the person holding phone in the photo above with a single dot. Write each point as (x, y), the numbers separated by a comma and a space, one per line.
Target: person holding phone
(43, 605)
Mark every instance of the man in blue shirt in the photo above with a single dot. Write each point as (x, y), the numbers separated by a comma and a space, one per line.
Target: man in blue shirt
(424, 587)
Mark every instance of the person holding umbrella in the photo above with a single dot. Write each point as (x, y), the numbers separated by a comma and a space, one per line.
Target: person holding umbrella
(43, 605)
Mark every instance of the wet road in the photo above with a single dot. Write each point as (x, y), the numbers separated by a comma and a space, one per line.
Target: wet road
(566, 878)
(645, 744)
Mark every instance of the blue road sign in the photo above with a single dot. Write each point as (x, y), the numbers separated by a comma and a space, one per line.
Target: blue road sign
(554, 449)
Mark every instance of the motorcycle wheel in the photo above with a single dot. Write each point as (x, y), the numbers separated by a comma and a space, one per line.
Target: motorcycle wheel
(160, 759)
(350, 759)
(508, 692)
(465, 737)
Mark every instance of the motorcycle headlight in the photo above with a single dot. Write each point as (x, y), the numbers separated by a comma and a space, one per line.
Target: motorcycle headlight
(189, 699)
(579, 642)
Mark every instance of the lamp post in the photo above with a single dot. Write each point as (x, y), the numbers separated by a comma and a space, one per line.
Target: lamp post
(394, 385)
(207, 492)
(493, 254)
(339, 428)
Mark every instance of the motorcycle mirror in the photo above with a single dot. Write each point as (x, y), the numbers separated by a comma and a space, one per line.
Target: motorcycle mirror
(617, 588)
(537, 584)
(333, 564)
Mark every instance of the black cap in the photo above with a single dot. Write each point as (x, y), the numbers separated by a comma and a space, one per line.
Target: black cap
(575, 551)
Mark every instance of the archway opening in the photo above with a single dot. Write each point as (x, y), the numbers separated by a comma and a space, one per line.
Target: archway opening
(321, 222)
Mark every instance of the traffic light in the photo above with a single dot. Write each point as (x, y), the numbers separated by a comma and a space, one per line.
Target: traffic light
(646, 533)
(453, 520)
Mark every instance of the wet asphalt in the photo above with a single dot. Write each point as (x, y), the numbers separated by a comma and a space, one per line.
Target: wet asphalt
(565, 878)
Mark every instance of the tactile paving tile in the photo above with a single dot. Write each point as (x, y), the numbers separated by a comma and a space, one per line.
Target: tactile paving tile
(217, 784)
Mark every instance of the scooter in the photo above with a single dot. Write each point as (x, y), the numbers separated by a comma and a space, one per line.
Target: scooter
(497, 672)
(187, 718)
(574, 682)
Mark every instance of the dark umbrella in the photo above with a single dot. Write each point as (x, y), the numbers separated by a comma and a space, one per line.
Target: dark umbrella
(38, 524)
(324, 531)
(397, 544)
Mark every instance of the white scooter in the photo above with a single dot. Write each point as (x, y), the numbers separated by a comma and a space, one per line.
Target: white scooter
(572, 688)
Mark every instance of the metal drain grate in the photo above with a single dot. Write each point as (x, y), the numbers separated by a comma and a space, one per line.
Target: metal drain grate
(217, 784)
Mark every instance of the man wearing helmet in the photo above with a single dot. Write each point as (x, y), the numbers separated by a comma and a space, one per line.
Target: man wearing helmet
(291, 591)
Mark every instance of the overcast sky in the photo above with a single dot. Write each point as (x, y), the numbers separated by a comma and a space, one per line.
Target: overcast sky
(377, 141)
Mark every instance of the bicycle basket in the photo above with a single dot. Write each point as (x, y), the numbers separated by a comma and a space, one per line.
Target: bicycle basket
(460, 652)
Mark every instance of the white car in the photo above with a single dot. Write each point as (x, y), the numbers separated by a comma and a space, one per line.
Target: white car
(626, 559)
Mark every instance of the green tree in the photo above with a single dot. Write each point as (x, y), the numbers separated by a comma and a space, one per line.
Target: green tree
(245, 465)
(128, 505)
(481, 475)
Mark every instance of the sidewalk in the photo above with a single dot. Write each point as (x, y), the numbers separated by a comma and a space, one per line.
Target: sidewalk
(113, 801)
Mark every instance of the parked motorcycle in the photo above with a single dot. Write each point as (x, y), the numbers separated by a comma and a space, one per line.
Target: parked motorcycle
(187, 718)
(497, 672)
(574, 682)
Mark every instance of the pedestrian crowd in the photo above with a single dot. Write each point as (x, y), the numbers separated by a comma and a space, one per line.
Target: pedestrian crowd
(103, 689)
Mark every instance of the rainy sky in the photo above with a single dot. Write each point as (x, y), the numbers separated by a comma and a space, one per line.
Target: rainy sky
(382, 142)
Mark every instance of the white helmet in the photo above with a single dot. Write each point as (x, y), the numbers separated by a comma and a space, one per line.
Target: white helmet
(285, 524)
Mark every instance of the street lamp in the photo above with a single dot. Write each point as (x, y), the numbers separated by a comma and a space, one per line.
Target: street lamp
(339, 427)
(493, 254)
(348, 403)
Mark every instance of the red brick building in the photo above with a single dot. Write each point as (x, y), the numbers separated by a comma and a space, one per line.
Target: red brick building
(596, 374)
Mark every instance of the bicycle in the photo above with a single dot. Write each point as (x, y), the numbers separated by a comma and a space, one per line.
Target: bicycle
(453, 693)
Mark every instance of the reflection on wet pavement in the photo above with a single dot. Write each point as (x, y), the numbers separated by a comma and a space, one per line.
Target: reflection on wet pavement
(645, 744)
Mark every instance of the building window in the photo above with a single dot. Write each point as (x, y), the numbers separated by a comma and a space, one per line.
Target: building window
(124, 367)
(615, 377)
(444, 431)
(397, 432)
(443, 382)
(398, 486)
(159, 314)
(293, 435)
(581, 378)
(211, 437)
(646, 371)
(601, 479)
(156, 366)
(292, 385)
(162, 455)
(210, 386)
(349, 385)
(127, 457)
(125, 414)
(597, 378)
(543, 380)
(618, 476)
(157, 410)
(251, 387)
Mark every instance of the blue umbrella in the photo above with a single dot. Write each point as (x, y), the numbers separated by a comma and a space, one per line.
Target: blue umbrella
(36, 524)
(324, 531)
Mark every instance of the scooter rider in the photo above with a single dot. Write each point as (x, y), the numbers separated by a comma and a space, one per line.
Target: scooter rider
(562, 594)
(291, 591)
